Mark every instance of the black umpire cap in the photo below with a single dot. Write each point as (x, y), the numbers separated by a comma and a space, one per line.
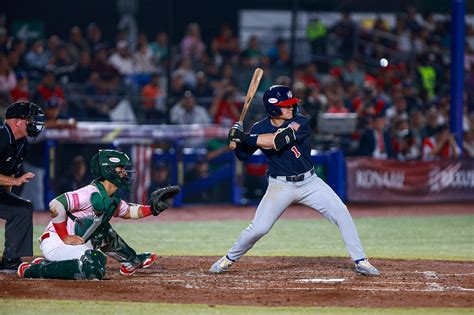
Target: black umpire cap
(18, 110)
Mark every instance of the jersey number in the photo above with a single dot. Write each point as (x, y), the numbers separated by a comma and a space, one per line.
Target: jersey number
(295, 151)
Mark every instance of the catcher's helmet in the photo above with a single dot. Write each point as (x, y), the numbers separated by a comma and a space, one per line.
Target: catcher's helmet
(103, 166)
(277, 96)
(29, 111)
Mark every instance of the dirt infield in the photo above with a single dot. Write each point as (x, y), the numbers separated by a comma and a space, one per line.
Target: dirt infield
(269, 281)
(272, 281)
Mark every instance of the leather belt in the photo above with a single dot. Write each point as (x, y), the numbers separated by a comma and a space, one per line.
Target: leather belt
(295, 178)
(44, 236)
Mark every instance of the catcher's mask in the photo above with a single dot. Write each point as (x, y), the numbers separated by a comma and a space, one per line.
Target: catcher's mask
(104, 164)
(33, 114)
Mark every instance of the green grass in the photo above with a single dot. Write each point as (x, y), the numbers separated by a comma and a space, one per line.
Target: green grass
(52, 307)
(433, 237)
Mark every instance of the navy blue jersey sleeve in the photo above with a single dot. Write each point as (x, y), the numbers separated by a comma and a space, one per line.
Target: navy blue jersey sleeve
(303, 131)
(243, 152)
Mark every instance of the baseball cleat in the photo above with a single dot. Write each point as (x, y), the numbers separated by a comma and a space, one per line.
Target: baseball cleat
(365, 268)
(221, 265)
(147, 259)
(37, 260)
(128, 269)
(22, 268)
(150, 259)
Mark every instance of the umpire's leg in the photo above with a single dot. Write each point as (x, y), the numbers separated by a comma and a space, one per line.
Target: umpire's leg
(18, 213)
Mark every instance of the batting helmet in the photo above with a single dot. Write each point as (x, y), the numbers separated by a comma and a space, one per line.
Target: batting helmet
(277, 96)
(103, 166)
(29, 111)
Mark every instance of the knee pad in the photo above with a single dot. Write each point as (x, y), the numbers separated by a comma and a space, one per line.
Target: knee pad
(93, 264)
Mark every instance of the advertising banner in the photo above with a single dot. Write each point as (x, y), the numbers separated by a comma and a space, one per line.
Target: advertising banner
(370, 180)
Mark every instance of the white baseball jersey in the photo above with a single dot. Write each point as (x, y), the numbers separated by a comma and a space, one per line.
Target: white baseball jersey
(79, 204)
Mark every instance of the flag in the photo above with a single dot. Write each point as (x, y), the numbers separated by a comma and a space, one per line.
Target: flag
(142, 158)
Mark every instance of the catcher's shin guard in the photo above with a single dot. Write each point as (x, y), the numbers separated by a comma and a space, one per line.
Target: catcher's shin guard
(91, 266)
(114, 246)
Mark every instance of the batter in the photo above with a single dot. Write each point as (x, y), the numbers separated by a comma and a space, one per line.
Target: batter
(284, 137)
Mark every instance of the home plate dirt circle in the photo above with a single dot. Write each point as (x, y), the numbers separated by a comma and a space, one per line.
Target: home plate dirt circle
(269, 281)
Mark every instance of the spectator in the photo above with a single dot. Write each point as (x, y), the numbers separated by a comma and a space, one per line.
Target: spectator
(368, 104)
(142, 59)
(160, 177)
(94, 37)
(106, 76)
(344, 30)
(121, 60)
(225, 46)
(153, 99)
(53, 117)
(278, 54)
(36, 59)
(160, 49)
(404, 143)
(20, 92)
(417, 121)
(411, 96)
(76, 44)
(82, 72)
(225, 109)
(253, 51)
(177, 87)
(316, 32)
(3, 40)
(310, 76)
(186, 71)
(7, 76)
(336, 105)
(63, 64)
(192, 45)
(54, 42)
(468, 144)
(187, 111)
(352, 73)
(441, 146)
(203, 90)
(375, 142)
(13, 59)
(47, 89)
(77, 175)
(398, 109)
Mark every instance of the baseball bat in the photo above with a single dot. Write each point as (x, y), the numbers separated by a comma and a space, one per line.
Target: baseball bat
(257, 76)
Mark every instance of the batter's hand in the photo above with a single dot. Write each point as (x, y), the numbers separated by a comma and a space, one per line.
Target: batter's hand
(73, 240)
(25, 178)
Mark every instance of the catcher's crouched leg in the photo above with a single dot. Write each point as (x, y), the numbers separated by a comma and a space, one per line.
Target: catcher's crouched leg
(91, 266)
(114, 246)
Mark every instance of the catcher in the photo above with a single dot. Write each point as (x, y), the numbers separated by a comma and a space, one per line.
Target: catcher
(79, 234)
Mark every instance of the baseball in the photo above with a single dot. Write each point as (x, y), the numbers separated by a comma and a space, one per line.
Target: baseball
(383, 62)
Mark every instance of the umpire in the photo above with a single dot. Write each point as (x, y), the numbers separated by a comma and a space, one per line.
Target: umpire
(22, 119)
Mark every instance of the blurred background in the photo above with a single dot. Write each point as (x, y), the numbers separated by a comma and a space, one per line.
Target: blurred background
(165, 80)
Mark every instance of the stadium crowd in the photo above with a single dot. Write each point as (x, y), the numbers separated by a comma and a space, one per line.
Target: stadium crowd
(402, 105)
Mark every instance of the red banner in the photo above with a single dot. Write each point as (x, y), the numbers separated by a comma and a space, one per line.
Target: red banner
(370, 180)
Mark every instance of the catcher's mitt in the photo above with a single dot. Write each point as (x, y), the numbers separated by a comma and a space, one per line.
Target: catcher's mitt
(160, 199)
